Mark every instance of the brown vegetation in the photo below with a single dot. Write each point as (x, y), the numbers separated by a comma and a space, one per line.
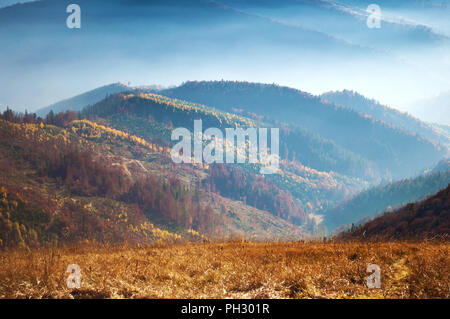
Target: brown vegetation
(427, 219)
(51, 180)
(234, 269)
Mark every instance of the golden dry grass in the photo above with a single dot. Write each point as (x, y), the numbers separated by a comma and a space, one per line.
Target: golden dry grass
(234, 269)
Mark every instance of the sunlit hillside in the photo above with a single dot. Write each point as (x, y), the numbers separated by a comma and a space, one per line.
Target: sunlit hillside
(230, 270)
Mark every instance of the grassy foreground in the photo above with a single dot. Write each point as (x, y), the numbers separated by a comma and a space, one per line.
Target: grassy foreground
(234, 269)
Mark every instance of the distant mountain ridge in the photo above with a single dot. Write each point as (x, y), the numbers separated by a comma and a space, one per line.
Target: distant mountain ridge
(398, 152)
(78, 102)
(380, 137)
(360, 103)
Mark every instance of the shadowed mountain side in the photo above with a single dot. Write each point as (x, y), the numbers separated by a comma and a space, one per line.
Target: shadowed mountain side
(380, 199)
(428, 219)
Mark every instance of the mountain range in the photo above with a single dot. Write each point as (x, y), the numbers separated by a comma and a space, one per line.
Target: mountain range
(381, 126)
(85, 157)
(377, 141)
(387, 114)
(114, 155)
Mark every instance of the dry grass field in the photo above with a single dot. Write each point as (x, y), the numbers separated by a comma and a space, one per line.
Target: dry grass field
(230, 270)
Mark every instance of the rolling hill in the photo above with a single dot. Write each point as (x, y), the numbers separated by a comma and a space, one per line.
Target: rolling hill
(359, 103)
(152, 116)
(296, 143)
(104, 185)
(109, 176)
(78, 102)
(121, 163)
(397, 153)
(424, 220)
(385, 198)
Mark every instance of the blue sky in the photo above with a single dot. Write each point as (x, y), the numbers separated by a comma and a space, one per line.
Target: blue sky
(4, 3)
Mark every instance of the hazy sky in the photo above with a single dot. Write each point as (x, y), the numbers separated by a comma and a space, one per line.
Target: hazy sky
(312, 46)
(4, 3)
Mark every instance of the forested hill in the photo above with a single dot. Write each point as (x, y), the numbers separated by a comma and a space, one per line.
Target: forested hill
(67, 180)
(428, 219)
(296, 144)
(317, 172)
(359, 103)
(111, 164)
(400, 152)
(377, 200)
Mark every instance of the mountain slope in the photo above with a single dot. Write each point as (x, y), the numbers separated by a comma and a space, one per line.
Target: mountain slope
(78, 102)
(428, 219)
(359, 103)
(105, 185)
(153, 116)
(377, 200)
(133, 112)
(397, 152)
